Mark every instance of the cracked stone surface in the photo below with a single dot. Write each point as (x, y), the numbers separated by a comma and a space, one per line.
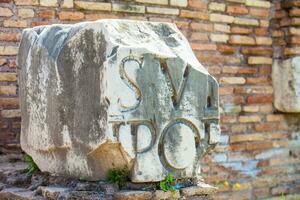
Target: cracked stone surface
(114, 93)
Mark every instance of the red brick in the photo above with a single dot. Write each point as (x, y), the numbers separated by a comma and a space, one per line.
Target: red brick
(259, 12)
(214, 70)
(261, 31)
(47, 14)
(199, 36)
(246, 137)
(260, 99)
(241, 30)
(202, 26)
(72, 16)
(277, 33)
(226, 49)
(294, 12)
(203, 47)
(242, 10)
(198, 4)
(237, 147)
(259, 146)
(228, 119)
(10, 36)
(239, 70)
(257, 50)
(238, 128)
(240, 39)
(261, 192)
(265, 70)
(294, 40)
(40, 23)
(218, 59)
(9, 102)
(258, 80)
(275, 118)
(280, 14)
(194, 14)
(270, 127)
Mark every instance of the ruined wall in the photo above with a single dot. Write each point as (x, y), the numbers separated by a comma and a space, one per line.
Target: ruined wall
(236, 40)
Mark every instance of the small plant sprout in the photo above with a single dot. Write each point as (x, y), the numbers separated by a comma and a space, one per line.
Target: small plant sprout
(118, 176)
(168, 184)
(32, 166)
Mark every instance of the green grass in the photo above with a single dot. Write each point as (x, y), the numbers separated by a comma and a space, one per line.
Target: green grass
(32, 166)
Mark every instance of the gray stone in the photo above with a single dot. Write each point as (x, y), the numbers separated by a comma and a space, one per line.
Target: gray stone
(16, 194)
(200, 189)
(133, 195)
(166, 195)
(52, 192)
(114, 93)
(86, 195)
(286, 83)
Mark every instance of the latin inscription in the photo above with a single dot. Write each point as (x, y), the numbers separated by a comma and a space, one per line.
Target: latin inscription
(172, 141)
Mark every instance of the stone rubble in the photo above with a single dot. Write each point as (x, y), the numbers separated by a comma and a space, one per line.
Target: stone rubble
(42, 186)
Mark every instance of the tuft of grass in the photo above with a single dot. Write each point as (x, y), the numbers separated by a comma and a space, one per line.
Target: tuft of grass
(118, 176)
(32, 166)
(168, 184)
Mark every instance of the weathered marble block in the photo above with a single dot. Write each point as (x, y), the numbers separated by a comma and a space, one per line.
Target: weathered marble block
(114, 93)
(286, 83)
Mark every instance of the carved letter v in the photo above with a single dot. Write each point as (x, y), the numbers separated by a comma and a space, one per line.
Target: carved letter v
(176, 80)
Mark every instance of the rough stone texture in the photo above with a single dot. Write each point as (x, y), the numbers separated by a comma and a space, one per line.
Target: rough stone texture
(222, 60)
(115, 93)
(286, 83)
(63, 188)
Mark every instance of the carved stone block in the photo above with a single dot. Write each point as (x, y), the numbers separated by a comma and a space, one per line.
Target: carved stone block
(113, 93)
(286, 83)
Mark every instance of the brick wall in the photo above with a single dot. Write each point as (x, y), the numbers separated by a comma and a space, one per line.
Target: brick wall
(236, 40)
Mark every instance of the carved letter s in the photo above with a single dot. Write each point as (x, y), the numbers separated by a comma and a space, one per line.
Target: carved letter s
(130, 83)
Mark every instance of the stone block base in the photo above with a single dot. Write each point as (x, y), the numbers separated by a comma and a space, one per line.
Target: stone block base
(15, 184)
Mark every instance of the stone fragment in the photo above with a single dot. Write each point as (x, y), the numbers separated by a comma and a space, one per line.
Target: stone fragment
(51, 192)
(164, 195)
(115, 93)
(86, 195)
(133, 195)
(200, 189)
(286, 83)
(17, 194)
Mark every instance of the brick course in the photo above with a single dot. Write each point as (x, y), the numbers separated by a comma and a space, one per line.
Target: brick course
(236, 40)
